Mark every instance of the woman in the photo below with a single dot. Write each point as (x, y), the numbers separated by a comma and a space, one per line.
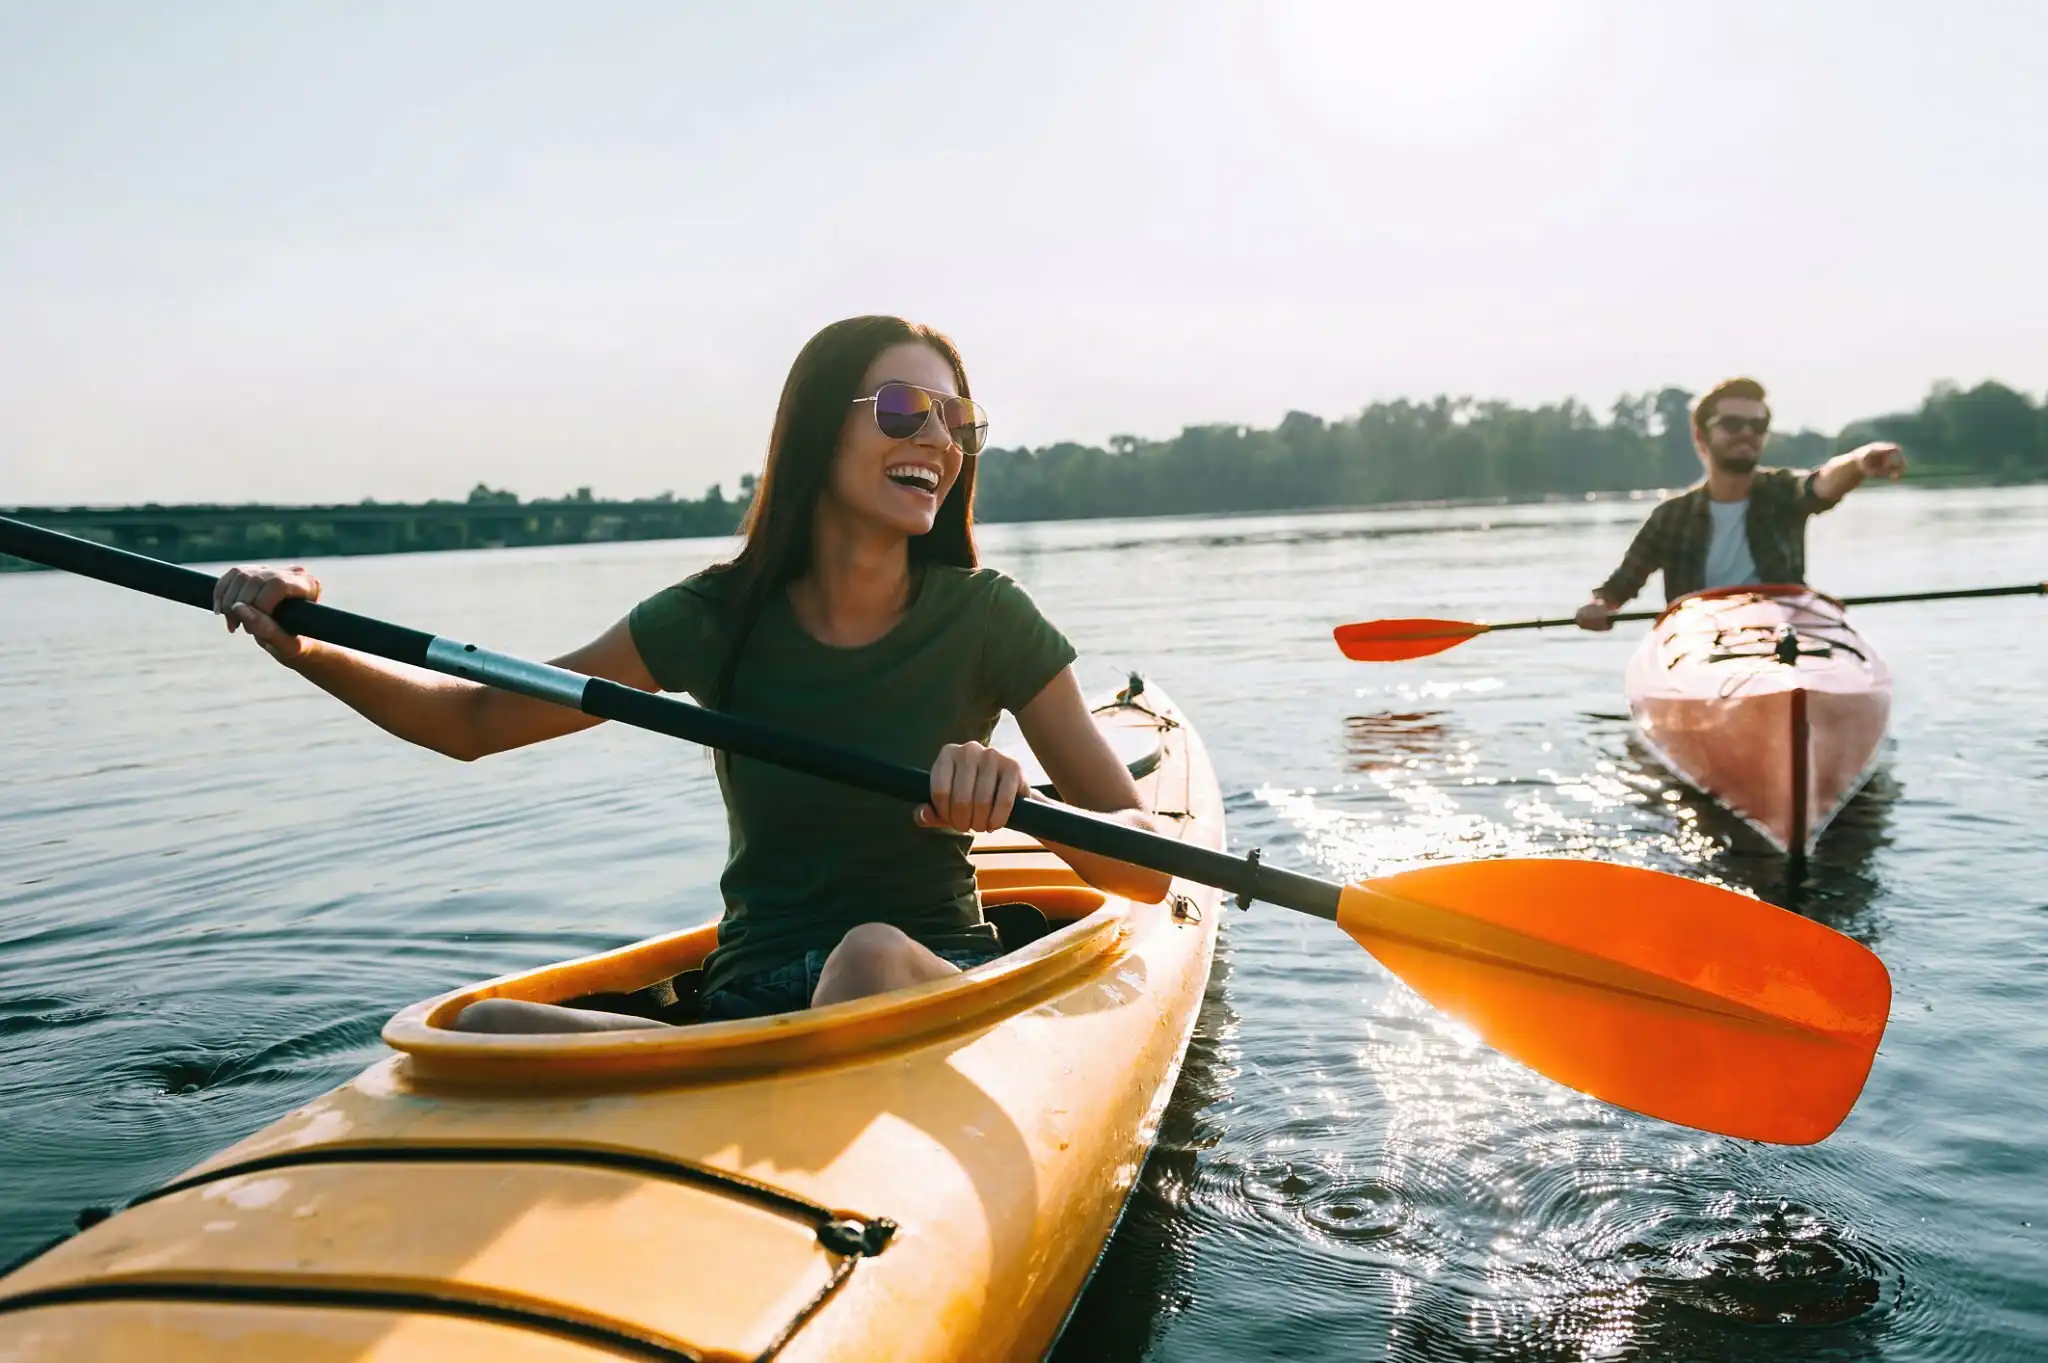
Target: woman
(854, 612)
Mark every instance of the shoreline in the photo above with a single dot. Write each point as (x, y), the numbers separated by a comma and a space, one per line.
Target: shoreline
(206, 532)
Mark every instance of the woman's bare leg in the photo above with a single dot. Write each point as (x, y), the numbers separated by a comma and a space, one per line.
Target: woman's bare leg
(873, 959)
(517, 1015)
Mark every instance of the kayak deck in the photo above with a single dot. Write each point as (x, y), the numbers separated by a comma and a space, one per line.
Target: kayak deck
(927, 1174)
(1767, 700)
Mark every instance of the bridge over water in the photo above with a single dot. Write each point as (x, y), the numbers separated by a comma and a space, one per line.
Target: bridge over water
(185, 534)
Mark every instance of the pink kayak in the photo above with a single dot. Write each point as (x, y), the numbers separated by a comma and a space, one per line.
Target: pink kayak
(1766, 699)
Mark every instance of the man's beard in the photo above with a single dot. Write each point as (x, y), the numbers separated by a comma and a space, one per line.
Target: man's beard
(1738, 461)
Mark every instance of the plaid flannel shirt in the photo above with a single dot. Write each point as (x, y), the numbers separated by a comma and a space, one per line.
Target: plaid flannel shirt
(1676, 536)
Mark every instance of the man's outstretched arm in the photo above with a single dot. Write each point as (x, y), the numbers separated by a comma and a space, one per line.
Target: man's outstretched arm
(1845, 473)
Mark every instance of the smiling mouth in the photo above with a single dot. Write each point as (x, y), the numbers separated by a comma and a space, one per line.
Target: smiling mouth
(914, 476)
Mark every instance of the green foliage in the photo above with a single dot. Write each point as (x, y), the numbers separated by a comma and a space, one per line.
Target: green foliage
(1464, 448)
(1390, 452)
(1989, 431)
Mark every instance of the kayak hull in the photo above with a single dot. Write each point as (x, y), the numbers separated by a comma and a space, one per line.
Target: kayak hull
(929, 1174)
(1768, 701)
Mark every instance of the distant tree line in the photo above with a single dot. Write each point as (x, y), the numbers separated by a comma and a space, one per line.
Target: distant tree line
(1990, 431)
(1454, 448)
(1446, 449)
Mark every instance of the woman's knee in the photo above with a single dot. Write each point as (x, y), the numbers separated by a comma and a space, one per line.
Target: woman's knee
(873, 958)
(875, 944)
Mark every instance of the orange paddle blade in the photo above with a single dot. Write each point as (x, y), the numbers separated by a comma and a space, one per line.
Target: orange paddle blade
(1391, 641)
(1655, 993)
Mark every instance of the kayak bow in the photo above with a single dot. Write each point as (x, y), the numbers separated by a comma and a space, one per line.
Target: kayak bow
(1767, 700)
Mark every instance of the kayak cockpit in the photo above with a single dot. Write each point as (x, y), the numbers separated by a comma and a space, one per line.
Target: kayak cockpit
(1082, 930)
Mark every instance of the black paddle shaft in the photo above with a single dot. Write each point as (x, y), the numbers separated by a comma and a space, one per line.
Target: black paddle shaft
(1042, 819)
(1962, 593)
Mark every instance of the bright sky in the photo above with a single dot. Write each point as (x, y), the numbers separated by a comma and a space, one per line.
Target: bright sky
(335, 250)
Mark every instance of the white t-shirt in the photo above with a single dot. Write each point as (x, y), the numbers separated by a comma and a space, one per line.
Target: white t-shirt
(1729, 563)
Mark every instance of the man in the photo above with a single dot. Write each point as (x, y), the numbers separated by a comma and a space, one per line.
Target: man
(1742, 525)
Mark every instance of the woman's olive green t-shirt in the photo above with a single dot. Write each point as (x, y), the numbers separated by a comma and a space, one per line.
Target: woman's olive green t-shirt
(809, 858)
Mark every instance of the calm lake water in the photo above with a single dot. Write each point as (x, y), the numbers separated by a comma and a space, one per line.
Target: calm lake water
(216, 884)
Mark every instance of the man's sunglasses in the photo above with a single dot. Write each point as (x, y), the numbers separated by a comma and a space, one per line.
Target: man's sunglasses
(1736, 425)
(902, 409)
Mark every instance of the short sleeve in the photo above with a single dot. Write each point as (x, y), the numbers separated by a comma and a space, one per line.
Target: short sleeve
(1021, 650)
(680, 634)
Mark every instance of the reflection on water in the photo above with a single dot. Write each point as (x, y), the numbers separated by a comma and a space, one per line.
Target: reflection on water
(1839, 882)
(1835, 885)
(214, 890)
(1388, 739)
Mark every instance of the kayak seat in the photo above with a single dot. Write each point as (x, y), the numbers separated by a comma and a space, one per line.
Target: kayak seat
(1021, 914)
(1017, 924)
(673, 1000)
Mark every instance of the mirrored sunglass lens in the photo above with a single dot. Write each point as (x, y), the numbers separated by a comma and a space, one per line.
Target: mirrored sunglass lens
(901, 410)
(968, 422)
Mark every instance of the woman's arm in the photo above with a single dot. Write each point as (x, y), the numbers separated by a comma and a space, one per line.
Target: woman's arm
(1087, 773)
(461, 719)
(974, 787)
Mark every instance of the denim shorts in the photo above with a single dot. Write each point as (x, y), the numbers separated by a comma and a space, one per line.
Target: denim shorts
(788, 988)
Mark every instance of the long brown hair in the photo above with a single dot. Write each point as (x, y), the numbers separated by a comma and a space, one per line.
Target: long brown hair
(816, 399)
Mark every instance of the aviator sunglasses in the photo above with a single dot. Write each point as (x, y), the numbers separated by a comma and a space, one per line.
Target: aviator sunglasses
(902, 409)
(1736, 425)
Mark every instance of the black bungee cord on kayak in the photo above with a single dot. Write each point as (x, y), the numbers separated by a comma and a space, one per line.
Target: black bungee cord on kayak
(849, 1238)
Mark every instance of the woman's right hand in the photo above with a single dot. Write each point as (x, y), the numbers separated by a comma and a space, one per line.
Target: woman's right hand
(974, 788)
(246, 596)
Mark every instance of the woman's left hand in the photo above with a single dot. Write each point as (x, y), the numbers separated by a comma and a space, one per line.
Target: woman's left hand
(973, 789)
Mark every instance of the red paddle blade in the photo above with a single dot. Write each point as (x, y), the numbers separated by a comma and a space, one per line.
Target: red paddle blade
(1391, 641)
(1663, 995)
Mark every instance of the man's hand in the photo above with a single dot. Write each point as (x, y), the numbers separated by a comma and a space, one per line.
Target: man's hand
(1846, 472)
(1881, 459)
(1595, 615)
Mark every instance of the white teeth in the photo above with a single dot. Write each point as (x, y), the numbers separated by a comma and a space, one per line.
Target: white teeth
(928, 477)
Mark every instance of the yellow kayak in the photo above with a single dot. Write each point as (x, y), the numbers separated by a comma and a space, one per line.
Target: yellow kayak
(924, 1175)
